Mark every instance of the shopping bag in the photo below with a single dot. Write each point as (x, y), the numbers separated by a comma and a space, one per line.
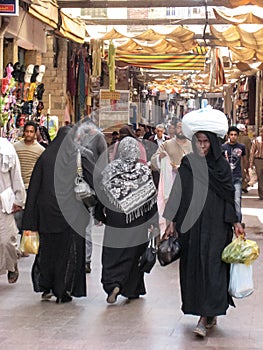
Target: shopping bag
(148, 258)
(30, 242)
(240, 250)
(169, 250)
(241, 280)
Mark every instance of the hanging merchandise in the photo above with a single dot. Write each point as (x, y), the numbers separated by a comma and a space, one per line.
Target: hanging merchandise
(96, 58)
(21, 97)
(111, 65)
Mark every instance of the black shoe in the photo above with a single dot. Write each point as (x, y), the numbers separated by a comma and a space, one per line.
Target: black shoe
(134, 297)
(46, 296)
(65, 299)
(112, 297)
(88, 268)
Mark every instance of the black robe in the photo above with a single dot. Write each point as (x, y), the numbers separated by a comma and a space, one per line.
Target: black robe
(123, 245)
(52, 210)
(201, 203)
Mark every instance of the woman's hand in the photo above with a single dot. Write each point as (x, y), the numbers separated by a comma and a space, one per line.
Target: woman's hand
(239, 229)
(162, 155)
(169, 231)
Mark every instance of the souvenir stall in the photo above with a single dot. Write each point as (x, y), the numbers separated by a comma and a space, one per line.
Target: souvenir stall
(21, 99)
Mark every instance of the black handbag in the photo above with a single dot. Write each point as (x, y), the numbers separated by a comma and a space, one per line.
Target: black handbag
(169, 250)
(148, 258)
(82, 189)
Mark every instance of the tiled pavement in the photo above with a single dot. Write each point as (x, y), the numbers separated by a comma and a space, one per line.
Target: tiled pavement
(153, 322)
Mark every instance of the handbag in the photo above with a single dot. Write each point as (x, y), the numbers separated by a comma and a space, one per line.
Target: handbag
(82, 189)
(29, 242)
(169, 250)
(148, 258)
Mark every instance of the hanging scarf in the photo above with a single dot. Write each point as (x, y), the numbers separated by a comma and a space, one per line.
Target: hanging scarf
(128, 183)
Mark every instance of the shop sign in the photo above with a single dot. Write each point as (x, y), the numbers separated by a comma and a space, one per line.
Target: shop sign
(110, 95)
(114, 108)
(163, 95)
(9, 8)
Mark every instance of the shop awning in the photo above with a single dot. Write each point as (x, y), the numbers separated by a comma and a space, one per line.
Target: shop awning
(48, 12)
(45, 11)
(72, 28)
(193, 62)
(31, 31)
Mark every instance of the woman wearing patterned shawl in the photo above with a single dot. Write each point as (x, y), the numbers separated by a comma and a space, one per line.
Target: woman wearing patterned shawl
(128, 209)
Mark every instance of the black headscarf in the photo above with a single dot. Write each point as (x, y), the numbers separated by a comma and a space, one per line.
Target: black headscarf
(197, 175)
(51, 202)
(220, 177)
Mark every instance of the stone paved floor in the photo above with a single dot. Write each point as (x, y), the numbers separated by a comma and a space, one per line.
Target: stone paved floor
(153, 322)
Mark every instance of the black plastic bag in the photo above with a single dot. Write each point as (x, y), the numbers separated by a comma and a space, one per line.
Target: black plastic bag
(148, 258)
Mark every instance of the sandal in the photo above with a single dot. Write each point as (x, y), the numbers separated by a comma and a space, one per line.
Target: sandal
(211, 322)
(12, 276)
(112, 297)
(200, 329)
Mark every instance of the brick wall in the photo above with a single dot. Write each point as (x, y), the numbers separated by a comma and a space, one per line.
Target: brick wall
(55, 78)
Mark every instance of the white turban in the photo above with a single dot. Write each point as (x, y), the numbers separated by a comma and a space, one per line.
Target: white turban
(205, 119)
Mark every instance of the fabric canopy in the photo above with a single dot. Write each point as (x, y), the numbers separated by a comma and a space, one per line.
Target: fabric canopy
(236, 3)
(72, 28)
(164, 46)
(168, 62)
(238, 19)
(45, 11)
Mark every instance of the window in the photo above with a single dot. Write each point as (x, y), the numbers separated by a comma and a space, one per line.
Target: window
(94, 12)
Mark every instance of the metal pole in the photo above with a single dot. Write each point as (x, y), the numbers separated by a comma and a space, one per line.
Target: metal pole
(258, 102)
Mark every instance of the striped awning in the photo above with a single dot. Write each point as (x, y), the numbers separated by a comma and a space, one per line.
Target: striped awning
(190, 61)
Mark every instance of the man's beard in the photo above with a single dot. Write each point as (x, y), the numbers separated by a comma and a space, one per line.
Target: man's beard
(180, 136)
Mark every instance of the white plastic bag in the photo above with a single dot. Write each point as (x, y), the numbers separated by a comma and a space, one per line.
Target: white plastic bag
(7, 198)
(241, 280)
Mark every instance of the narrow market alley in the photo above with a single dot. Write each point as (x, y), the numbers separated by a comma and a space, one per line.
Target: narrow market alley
(153, 322)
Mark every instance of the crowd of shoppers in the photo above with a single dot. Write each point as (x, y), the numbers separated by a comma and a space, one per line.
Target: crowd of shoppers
(178, 180)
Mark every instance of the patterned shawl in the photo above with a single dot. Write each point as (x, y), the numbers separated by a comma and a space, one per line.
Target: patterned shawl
(128, 183)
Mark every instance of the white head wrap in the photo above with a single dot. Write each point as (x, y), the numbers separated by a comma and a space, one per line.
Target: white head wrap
(205, 119)
(241, 127)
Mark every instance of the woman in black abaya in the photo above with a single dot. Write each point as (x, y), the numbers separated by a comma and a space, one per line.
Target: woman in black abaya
(201, 204)
(127, 210)
(52, 210)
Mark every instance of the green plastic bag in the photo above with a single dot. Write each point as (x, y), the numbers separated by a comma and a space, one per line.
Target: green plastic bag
(240, 250)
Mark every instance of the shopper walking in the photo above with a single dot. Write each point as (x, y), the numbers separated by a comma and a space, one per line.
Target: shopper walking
(235, 153)
(28, 151)
(201, 206)
(256, 158)
(127, 211)
(53, 210)
(89, 137)
(12, 198)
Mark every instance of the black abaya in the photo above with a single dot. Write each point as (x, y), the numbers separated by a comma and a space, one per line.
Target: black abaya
(203, 233)
(122, 246)
(52, 210)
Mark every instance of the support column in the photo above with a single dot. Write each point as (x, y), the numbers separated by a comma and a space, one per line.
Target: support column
(258, 105)
(4, 24)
